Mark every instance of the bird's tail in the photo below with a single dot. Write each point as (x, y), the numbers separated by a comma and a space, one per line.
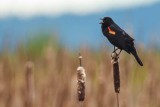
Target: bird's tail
(134, 53)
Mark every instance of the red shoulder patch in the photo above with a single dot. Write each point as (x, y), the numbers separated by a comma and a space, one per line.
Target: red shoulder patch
(111, 31)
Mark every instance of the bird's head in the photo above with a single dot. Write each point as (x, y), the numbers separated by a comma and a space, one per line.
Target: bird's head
(106, 21)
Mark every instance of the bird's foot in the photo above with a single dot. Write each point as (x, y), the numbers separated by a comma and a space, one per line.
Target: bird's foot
(115, 52)
(114, 57)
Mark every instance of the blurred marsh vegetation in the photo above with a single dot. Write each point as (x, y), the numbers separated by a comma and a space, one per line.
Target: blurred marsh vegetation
(42, 73)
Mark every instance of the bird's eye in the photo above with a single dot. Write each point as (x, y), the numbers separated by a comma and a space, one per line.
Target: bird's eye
(104, 19)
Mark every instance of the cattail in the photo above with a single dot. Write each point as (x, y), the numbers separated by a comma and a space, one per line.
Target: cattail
(81, 77)
(30, 92)
(116, 72)
(116, 77)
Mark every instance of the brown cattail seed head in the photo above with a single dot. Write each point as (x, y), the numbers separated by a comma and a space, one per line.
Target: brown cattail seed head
(81, 77)
(116, 72)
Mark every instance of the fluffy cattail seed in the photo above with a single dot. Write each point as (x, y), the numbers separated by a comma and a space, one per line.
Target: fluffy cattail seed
(81, 78)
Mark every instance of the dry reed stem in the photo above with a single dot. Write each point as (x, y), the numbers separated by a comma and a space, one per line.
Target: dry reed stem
(81, 78)
(30, 91)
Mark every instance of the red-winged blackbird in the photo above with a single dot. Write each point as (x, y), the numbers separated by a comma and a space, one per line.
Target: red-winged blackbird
(119, 37)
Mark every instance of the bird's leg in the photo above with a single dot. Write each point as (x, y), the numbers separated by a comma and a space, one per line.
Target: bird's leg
(119, 52)
(114, 54)
(115, 50)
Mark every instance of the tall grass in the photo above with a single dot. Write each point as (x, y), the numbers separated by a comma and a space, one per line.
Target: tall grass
(55, 80)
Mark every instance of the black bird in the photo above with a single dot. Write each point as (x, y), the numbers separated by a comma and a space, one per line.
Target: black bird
(118, 37)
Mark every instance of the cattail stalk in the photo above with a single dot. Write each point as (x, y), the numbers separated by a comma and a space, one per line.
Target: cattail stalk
(81, 78)
(30, 92)
(116, 74)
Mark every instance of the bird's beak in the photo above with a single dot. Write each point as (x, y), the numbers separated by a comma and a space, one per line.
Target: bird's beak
(102, 21)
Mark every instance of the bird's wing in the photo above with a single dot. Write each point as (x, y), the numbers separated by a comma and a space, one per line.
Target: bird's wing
(114, 27)
(129, 41)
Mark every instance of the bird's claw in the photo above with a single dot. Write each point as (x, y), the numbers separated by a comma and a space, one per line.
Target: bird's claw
(116, 54)
(114, 57)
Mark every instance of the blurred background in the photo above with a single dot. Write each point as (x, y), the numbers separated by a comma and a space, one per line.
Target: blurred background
(39, 45)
